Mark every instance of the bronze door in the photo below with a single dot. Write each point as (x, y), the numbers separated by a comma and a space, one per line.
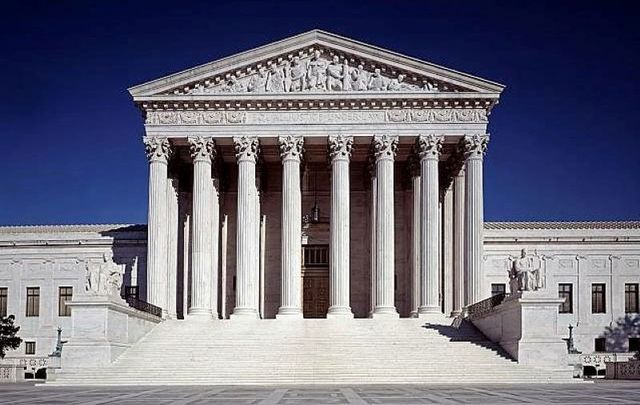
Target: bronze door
(315, 294)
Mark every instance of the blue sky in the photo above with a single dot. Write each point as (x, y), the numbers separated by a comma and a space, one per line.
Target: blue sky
(564, 145)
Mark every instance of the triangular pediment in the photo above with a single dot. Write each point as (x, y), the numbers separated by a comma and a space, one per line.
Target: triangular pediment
(311, 63)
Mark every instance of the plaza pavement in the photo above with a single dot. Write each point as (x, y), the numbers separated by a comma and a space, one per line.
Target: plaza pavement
(594, 393)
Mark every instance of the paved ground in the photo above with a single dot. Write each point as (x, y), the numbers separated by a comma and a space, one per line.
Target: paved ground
(596, 393)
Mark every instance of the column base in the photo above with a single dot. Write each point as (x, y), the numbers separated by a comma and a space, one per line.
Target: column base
(455, 313)
(289, 313)
(244, 313)
(200, 312)
(385, 312)
(413, 314)
(339, 312)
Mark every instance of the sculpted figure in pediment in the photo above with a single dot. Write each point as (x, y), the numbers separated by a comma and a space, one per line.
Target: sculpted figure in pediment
(359, 78)
(233, 85)
(317, 72)
(296, 75)
(276, 79)
(336, 72)
(377, 82)
(258, 82)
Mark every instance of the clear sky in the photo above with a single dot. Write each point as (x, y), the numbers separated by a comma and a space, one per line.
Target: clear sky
(564, 138)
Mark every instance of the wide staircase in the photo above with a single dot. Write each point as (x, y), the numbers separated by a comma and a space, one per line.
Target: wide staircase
(322, 351)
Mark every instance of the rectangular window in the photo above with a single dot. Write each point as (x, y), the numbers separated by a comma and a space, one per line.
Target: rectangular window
(65, 295)
(315, 255)
(598, 299)
(634, 344)
(4, 291)
(497, 289)
(29, 347)
(566, 291)
(600, 345)
(33, 301)
(131, 292)
(631, 298)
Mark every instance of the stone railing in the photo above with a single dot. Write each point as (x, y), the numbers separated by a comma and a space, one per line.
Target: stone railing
(623, 370)
(483, 307)
(143, 306)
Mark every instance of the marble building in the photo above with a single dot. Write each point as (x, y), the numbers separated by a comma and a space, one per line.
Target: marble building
(319, 177)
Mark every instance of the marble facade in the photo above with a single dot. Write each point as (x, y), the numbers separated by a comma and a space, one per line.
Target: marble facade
(317, 145)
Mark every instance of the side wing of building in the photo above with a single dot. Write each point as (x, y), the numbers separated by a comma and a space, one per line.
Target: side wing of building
(595, 265)
(41, 267)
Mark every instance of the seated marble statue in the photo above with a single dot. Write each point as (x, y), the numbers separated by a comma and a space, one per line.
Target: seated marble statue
(104, 278)
(525, 273)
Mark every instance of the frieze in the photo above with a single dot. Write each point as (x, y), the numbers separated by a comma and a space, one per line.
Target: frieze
(316, 117)
(438, 115)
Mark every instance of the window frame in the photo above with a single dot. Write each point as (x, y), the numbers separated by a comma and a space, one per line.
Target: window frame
(30, 344)
(503, 288)
(627, 294)
(4, 301)
(63, 309)
(33, 303)
(598, 297)
(568, 295)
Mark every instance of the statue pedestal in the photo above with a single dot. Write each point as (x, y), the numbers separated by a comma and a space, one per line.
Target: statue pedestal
(525, 325)
(103, 327)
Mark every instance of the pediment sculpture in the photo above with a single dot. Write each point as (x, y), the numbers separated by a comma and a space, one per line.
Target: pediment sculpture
(526, 273)
(104, 278)
(314, 72)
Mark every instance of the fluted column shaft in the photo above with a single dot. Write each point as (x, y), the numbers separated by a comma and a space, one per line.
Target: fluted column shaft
(474, 147)
(385, 148)
(172, 247)
(415, 239)
(429, 147)
(158, 151)
(458, 242)
(291, 295)
(246, 240)
(215, 242)
(373, 247)
(202, 152)
(339, 152)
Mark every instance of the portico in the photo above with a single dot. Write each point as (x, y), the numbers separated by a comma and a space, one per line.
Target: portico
(387, 152)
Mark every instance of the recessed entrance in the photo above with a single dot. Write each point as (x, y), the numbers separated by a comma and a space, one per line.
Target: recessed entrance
(315, 281)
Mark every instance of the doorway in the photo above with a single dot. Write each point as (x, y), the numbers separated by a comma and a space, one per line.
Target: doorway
(315, 281)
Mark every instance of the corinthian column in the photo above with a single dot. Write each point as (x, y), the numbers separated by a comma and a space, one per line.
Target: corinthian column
(291, 297)
(414, 173)
(247, 272)
(475, 147)
(458, 242)
(172, 247)
(158, 151)
(384, 147)
(429, 147)
(339, 153)
(202, 152)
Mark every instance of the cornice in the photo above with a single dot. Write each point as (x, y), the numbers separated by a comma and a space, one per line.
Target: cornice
(561, 225)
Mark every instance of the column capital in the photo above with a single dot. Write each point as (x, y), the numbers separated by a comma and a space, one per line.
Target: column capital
(202, 148)
(246, 148)
(384, 147)
(157, 149)
(429, 146)
(340, 147)
(474, 146)
(291, 147)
